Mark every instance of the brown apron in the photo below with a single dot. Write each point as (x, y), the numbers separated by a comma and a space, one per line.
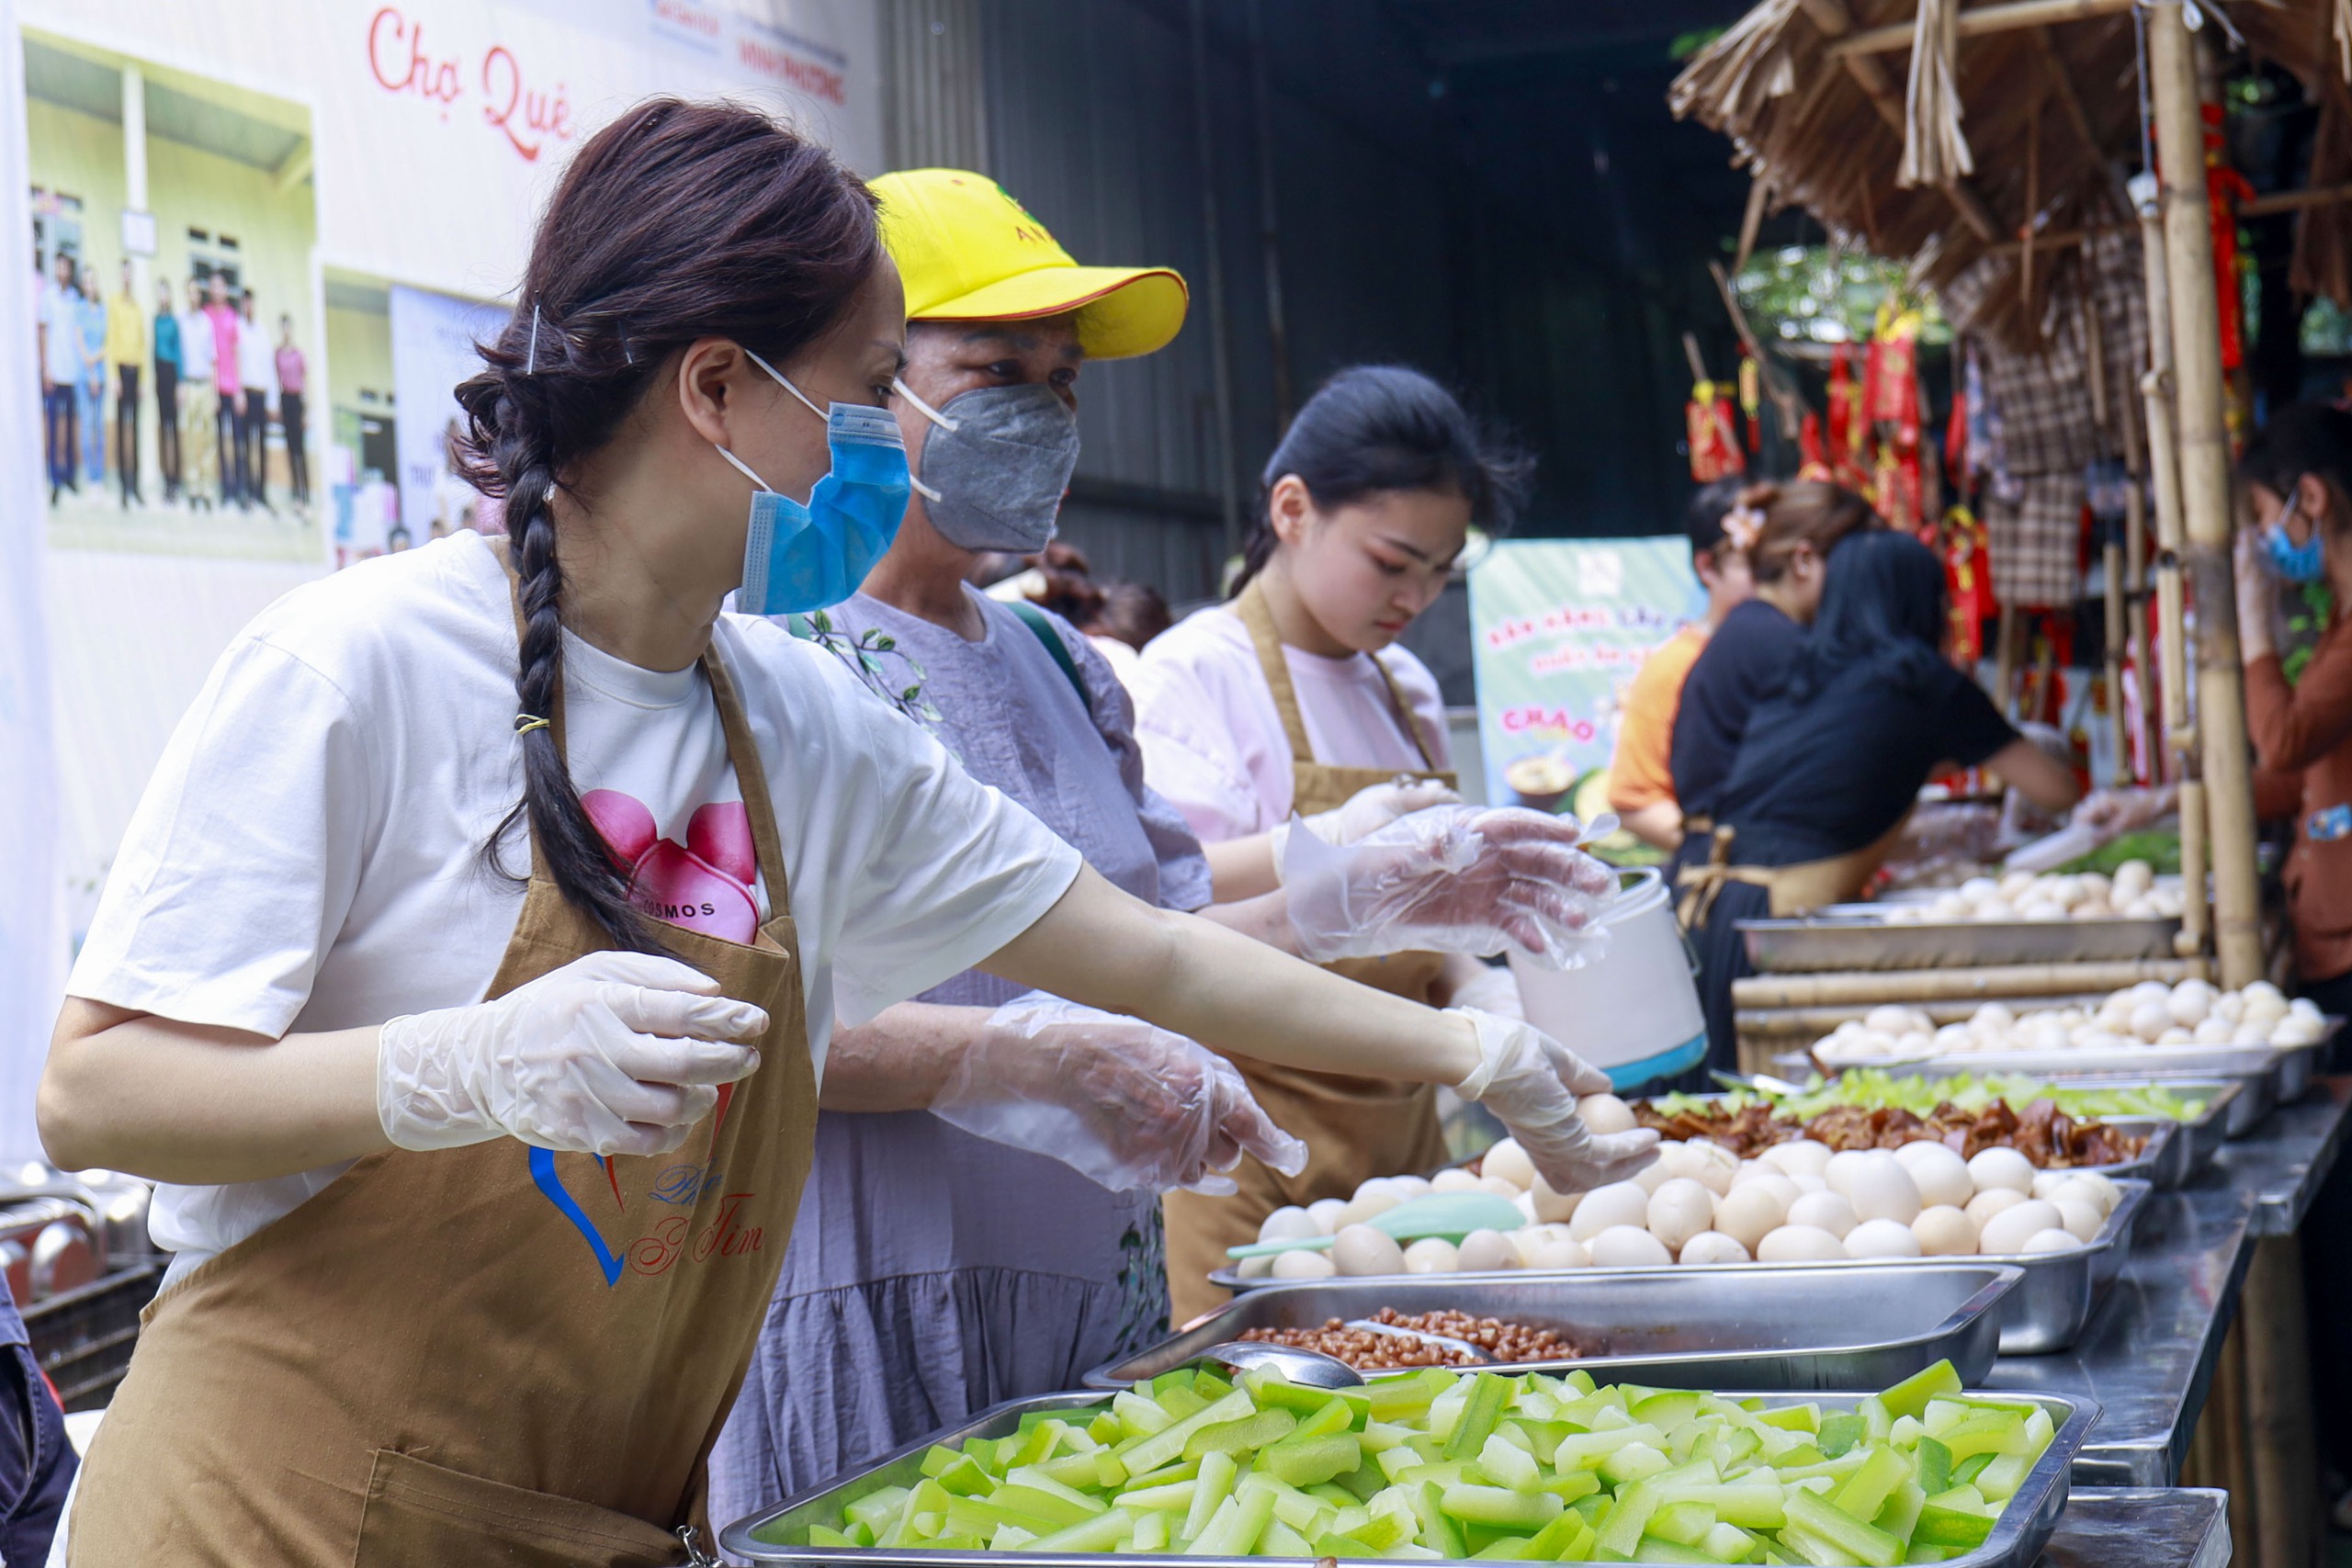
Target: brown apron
(492, 1354)
(1793, 889)
(1354, 1128)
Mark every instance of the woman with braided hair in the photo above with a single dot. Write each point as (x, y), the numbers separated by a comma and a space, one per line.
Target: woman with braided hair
(468, 967)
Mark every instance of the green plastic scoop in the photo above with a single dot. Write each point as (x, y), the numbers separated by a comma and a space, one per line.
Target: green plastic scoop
(1450, 1214)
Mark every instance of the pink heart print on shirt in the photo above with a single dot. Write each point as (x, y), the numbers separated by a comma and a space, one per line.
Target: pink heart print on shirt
(704, 884)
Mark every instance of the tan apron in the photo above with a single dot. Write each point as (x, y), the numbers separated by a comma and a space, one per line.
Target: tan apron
(1354, 1128)
(1793, 889)
(492, 1354)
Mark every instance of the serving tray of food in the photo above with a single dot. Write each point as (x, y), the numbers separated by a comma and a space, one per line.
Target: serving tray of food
(1228, 1467)
(1763, 1328)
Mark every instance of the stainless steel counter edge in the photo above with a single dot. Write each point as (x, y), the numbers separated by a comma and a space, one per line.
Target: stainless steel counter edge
(2147, 1353)
(2287, 1165)
(2171, 1527)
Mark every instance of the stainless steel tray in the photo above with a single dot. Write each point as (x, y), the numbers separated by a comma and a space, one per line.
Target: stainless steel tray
(2286, 1068)
(2016, 1542)
(2236, 1102)
(2041, 1316)
(2164, 1160)
(1776, 1329)
(1839, 942)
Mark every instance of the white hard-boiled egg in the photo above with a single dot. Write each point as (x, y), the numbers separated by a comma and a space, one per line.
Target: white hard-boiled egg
(1714, 1246)
(2009, 1231)
(1628, 1246)
(1361, 1249)
(2001, 1168)
(1823, 1212)
(1799, 1243)
(1945, 1232)
(1882, 1238)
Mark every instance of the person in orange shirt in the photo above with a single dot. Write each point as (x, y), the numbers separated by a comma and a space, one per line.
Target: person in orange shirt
(1641, 782)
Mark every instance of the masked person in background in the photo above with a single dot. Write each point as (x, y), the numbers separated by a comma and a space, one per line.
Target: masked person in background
(1291, 701)
(1641, 773)
(1832, 763)
(982, 1217)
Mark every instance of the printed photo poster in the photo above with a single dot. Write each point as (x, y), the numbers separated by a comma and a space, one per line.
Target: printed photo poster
(1558, 627)
(432, 349)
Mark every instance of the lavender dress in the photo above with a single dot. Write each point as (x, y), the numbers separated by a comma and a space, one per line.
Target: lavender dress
(932, 1273)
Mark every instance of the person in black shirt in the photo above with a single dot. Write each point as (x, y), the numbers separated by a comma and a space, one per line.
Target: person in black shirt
(1788, 533)
(1832, 763)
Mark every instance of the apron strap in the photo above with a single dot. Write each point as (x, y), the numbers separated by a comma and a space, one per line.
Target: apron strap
(1250, 605)
(751, 778)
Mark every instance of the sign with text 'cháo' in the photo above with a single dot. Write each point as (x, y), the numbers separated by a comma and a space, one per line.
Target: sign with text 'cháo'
(1558, 627)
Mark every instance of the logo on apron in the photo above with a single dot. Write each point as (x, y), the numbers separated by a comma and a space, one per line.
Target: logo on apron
(2325, 827)
(671, 1238)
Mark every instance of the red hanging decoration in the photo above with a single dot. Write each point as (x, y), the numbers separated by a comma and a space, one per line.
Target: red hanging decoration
(2225, 187)
(1968, 574)
(1813, 460)
(1712, 433)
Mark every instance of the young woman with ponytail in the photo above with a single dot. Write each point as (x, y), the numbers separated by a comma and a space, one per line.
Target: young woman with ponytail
(1293, 701)
(482, 1124)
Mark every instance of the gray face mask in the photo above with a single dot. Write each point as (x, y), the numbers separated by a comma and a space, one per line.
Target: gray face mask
(995, 465)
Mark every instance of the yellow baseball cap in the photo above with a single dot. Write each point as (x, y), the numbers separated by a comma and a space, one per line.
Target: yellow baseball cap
(968, 252)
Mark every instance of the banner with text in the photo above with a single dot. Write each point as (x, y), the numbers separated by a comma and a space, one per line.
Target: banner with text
(1558, 627)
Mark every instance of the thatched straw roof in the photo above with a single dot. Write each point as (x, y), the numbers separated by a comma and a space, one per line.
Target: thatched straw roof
(2047, 125)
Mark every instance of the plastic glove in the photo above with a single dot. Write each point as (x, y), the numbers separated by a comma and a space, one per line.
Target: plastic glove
(1451, 879)
(1490, 990)
(1367, 811)
(2109, 812)
(1126, 1104)
(614, 1054)
(1532, 1082)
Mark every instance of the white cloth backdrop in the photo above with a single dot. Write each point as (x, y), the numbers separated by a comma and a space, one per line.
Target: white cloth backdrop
(33, 942)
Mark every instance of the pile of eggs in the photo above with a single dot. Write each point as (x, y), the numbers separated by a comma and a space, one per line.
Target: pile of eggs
(2150, 1013)
(1799, 1201)
(2132, 892)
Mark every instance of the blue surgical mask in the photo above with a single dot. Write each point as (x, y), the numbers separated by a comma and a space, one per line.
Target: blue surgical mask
(805, 557)
(2294, 562)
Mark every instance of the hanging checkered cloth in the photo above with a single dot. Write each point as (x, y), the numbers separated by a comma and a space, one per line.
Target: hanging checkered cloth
(2034, 539)
(2048, 434)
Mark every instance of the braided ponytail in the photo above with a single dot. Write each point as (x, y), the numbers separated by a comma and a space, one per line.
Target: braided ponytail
(676, 221)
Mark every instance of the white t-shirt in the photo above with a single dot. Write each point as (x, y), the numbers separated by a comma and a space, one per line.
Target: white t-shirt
(196, 346)
(1213, 741)
(60, 312)
(306, 856)
(257, 360)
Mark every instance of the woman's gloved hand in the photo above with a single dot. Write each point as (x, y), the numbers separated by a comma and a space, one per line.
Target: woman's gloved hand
(614, 1054)
(1532, 1082)
(2110, 812)
(1449, 879)
(1367, 811)
(1128, 1105)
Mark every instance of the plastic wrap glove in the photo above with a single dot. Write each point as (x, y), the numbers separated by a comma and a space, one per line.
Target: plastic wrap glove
(614, 1054)
(1490, 990)
(1128, 1105)
(1367, 811)
(1449, 879)
(1532, 1082)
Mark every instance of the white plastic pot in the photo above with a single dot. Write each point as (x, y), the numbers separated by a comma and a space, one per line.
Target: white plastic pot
(1633, 1011)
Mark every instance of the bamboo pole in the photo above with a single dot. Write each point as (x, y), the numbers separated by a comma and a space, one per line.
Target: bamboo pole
(1783, 1027)
(2135, 572)
(1975, 23)
(2279, 1417)
(1867, 987)
(2202, 440)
